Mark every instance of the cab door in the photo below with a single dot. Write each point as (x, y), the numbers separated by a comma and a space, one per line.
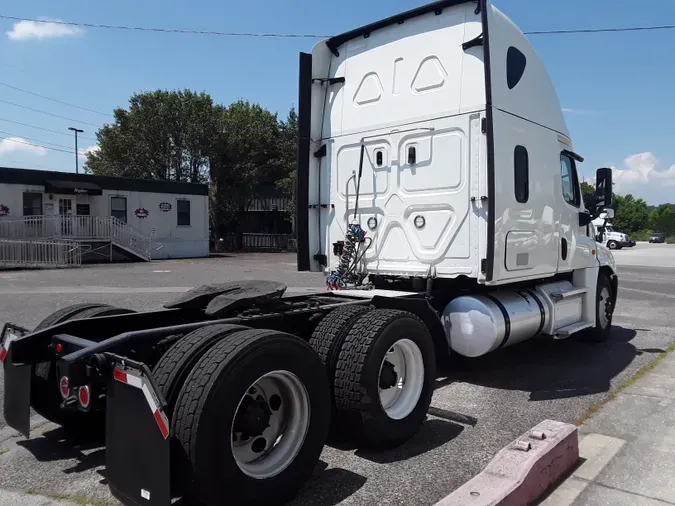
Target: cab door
(575, 246)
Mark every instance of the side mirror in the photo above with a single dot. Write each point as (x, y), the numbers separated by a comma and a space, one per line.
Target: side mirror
(603, 189)
(585, 219)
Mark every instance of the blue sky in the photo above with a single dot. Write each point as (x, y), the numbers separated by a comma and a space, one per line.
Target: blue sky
(616, 88)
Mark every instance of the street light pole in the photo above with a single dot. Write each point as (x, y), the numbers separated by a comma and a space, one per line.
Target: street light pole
(76, 130)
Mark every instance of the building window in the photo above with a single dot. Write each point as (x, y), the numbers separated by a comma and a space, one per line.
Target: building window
(183, 213)
(32, 204)
(118, 208)
(521, 170)
(570, 181)
(515, 66)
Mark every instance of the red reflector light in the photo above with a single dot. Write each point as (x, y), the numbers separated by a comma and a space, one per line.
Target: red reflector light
(120, 375)
(59, 348)
(63, 386)
(84, 397)
(3, 354)
(163, 427)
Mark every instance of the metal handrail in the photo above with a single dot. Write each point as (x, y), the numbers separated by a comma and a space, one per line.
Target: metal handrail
(80, 227)
(46, 253)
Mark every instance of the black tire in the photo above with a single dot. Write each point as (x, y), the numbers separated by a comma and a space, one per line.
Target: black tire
(177, 362)
(207, 405)
(613, 245)
(329, 335)
(45, 396)
(600, 332)
(357, 378)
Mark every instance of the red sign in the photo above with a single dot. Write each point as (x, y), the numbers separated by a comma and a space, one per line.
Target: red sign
(142, 213)
(4, 210)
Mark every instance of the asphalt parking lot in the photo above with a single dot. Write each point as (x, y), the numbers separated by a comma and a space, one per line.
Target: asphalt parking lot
(485, 403)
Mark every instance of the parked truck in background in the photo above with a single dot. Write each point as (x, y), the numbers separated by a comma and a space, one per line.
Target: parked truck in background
(438, 191)
(607, 235)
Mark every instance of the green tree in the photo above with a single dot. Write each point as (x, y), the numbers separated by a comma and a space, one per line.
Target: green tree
(631, 214)
(184, 136)
(246, 155)
(662, 219)
(289, 156)
(162, 135)
(588, 194)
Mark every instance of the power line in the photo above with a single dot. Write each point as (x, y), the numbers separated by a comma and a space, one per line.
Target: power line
(602, 30)
(49, 113)
(308, 35)
(54, 99)
(46, 129)
(172, 30)
(35, 145)
(36, 140)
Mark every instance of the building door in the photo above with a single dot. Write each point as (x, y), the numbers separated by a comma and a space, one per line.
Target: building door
(65, 212)
(84, 224)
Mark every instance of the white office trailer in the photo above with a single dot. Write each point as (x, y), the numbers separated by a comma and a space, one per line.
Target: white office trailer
(114, 217)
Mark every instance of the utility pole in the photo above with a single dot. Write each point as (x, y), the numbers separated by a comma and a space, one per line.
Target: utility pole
(76, 130)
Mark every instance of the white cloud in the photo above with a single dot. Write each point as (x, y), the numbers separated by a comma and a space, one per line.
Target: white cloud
(27, 30)
(642, 168)
(90, 149)
(20, 145)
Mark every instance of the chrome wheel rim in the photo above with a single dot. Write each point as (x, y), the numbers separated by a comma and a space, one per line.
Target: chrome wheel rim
(401, 379)
(270, 424)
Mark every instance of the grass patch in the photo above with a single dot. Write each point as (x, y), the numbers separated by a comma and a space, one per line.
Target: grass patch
(4, 450)
(629, 382)
(74, 498)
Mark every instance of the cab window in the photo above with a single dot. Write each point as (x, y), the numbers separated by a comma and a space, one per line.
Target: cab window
(570, 181)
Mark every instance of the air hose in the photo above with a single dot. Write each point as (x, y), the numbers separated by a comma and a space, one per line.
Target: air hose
(354, 237)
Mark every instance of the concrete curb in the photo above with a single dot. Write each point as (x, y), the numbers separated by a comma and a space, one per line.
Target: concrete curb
(522, 471)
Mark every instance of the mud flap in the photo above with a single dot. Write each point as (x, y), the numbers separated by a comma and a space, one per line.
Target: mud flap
(16, 404)
(137, 437)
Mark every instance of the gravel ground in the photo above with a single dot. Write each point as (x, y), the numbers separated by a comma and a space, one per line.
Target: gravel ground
(487, 401)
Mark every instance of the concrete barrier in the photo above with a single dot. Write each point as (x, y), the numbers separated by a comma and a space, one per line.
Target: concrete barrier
(522, 471)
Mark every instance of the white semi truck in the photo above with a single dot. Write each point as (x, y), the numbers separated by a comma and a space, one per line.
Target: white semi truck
(437, 190)
(607, 235)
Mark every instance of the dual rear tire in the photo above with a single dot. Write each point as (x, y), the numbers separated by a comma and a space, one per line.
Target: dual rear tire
(381, 365)
(253, 408)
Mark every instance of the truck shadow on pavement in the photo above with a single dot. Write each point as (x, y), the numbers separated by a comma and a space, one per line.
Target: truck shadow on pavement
(327, 487)
(86, 449)
(550, 369)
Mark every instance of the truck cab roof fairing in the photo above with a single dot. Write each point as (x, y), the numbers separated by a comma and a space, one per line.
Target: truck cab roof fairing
(520, 83)
(335, 42)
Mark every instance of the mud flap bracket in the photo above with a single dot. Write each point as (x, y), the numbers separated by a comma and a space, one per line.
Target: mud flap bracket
(137, 436)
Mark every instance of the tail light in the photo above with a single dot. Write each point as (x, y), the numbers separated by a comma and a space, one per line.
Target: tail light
(64, 387)
(84, 396)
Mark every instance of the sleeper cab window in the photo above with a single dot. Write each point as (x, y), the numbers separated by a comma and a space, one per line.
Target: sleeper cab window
(183, 212)
(521, 174)
(570, 185)
(515, 66)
